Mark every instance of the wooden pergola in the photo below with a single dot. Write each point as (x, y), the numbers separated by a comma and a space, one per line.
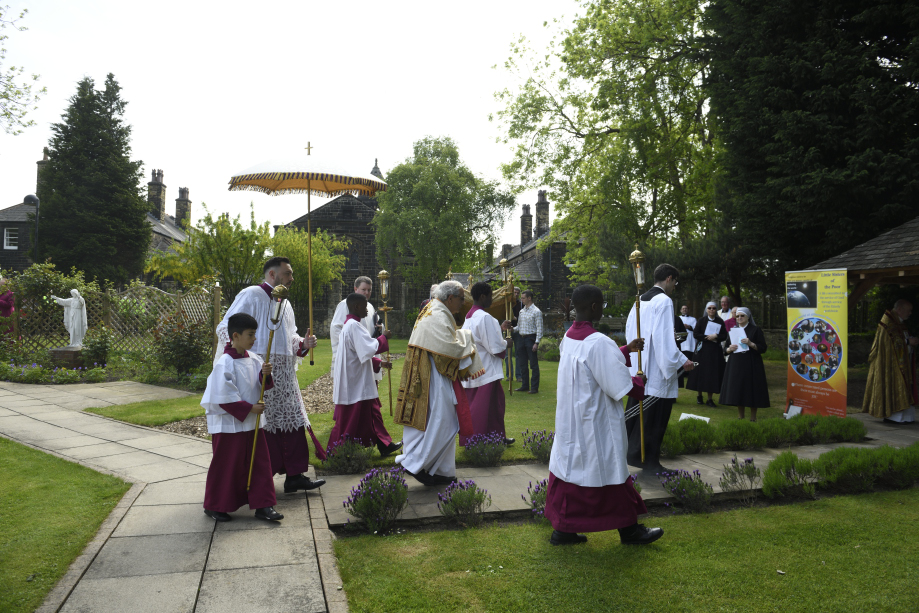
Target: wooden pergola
(892, 257)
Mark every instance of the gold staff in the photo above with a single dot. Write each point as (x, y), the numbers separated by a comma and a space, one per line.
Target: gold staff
(637, 258)
(309, 250)
(278, 297)
(383, 276)
(508, 315)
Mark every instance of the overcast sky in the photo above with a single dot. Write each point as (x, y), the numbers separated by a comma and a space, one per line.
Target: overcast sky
(213, 89)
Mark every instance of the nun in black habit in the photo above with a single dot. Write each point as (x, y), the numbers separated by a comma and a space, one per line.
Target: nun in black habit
(708, 375)
(745, 376)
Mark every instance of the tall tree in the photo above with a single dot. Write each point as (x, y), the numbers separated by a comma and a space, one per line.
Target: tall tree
(818, 110)
(93, 215)
(16, 95)
(436, 215)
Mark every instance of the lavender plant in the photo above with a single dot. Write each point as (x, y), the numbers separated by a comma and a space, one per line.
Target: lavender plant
(379, 498)
(635, 483)
(741, 478)
(537, 500)
(539, 443)
(485, 449)
(689, 489)
(463, 502)
(347, 457)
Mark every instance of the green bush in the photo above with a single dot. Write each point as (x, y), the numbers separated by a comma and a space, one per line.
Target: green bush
(548, 346)
(789, 475)
(852, 470)
(183, 344)
(537, 498)
(689, 489)
(67, 375)
(739, 435)
(778, 432)
(672, 445)
(97, 344)
(94, 375)
(741, 478)
(485, 449)
(379, 498)
(902, 469)
(463, 502)
(411, 316)
(539, 443)
(691, 436)
(347, 456)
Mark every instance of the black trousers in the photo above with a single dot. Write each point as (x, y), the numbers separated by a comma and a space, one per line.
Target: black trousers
(528, 360)
(656, 417)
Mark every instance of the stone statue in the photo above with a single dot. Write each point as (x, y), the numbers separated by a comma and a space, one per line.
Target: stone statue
(74, 316)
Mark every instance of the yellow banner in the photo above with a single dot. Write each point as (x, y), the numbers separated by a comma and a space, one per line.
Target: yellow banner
(818, 316)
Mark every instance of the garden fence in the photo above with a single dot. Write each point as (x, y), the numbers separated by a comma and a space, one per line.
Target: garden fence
(132, 315)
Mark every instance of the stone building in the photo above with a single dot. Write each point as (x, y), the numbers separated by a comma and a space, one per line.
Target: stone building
(16, 226)
(167, 229)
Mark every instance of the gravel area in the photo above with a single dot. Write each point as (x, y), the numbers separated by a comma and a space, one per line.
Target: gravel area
(317, 397)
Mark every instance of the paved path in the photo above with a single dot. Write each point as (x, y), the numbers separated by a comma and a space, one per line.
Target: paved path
(157, 551)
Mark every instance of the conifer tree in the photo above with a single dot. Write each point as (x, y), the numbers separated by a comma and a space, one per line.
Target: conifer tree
(93, 214)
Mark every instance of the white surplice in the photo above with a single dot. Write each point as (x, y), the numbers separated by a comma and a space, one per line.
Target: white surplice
(661, 358)
(231, 380)
(434, 450)
(690, 343)
(338, 322)
(352, 369)
(284, 410)
(590, 437)
(486, 332)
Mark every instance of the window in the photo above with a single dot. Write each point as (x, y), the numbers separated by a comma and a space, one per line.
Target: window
(11, 238)
(355, 263)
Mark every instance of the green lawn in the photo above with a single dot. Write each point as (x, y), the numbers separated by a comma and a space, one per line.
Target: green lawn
(49, 510)
(837, 554)
(154, 412)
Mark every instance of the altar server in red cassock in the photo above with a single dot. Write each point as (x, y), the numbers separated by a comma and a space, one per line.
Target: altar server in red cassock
(357, 401)
(590, 489)
(231, 405)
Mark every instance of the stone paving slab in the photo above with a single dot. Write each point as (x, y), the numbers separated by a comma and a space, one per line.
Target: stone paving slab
(291, 588)
(173, 592)
(260, 548)
(171, 492)
(164, 519)
(135, 556)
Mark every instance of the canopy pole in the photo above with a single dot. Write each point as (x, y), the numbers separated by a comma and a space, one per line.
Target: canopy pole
(309, 260)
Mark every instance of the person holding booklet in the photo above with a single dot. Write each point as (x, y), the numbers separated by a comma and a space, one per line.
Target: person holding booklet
(745, 376)
(708, 375)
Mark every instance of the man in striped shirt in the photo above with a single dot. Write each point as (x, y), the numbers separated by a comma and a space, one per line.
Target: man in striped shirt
(529, 327)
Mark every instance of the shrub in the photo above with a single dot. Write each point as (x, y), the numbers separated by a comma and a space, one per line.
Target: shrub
(902, 469)
(97, 343)
(548, 349)
(379, 498)
(485, 449)
(539, 444)
(95, 375)
(412, 316)
(183, 344)
(537, 499)
(689, 489)
(847, 429)
(851, 470)
(671, 445)
(806, 432)
(788, 474)
(778, 432)
(463, 502)
(32, 374)
(64, 375)
(741, 478)
(694, 435)
(347, 456)
(740, 435)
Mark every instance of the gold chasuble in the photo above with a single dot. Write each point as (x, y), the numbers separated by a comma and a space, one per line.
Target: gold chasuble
(436, 335)
(892, 371)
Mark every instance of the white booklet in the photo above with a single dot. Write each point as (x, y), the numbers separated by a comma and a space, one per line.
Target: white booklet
(737, 335)
(713, 327)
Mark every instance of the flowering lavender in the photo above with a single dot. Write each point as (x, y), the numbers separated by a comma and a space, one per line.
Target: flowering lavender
(689, 489)
(379, 498)
(485, 449)
(539, 443)
(741, 478)
(463, 502)
(635, 483)
(537, 499)
(347, 456)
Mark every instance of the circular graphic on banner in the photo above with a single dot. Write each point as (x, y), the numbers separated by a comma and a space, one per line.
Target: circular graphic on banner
(819, 343)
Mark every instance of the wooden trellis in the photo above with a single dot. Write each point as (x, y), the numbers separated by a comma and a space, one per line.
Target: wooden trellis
(132, 315)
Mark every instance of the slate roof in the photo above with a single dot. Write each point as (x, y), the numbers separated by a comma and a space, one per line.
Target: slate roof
(17, 212)
(167, 228)
(892, 250)
(329, 209)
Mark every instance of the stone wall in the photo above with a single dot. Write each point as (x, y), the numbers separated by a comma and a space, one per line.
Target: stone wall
(16, 259)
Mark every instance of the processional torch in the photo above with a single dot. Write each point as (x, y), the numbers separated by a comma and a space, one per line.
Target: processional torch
(637, 259)
(278, 298)
(508, 315)
(383, 276)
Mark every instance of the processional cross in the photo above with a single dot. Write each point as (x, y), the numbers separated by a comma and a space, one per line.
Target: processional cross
(308, 148)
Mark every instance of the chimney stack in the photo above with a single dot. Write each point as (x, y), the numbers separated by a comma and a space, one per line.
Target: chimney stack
(542, 214)
(183, 208)
(41, 166)
(156, 196)
(526, 226)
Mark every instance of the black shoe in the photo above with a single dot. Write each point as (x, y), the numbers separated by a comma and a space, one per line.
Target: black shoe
(423, 477)
(440, 480)
(509, 441)
(711, 403)
(218, 515)
(699, 400)
(390, 449)
(268, 513)
(566, 538)
(522, 389)
(639, 535)
(533, 392)
(301, 482)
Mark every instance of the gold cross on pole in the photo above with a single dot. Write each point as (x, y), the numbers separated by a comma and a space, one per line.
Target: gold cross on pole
(308, 148)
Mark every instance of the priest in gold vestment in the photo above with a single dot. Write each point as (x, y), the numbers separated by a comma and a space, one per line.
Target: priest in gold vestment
(892, 392)
(431, 403)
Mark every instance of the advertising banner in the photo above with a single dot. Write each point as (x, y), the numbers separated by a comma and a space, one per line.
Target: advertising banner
(818, 316)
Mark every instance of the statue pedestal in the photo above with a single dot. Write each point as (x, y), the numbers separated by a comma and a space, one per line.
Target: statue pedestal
(70, 357)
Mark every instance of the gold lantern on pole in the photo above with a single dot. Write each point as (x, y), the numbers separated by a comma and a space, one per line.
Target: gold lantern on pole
(637, 259)
(383, 276)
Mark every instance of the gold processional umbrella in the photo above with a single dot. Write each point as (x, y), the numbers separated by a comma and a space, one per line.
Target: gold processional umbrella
(306, 174)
